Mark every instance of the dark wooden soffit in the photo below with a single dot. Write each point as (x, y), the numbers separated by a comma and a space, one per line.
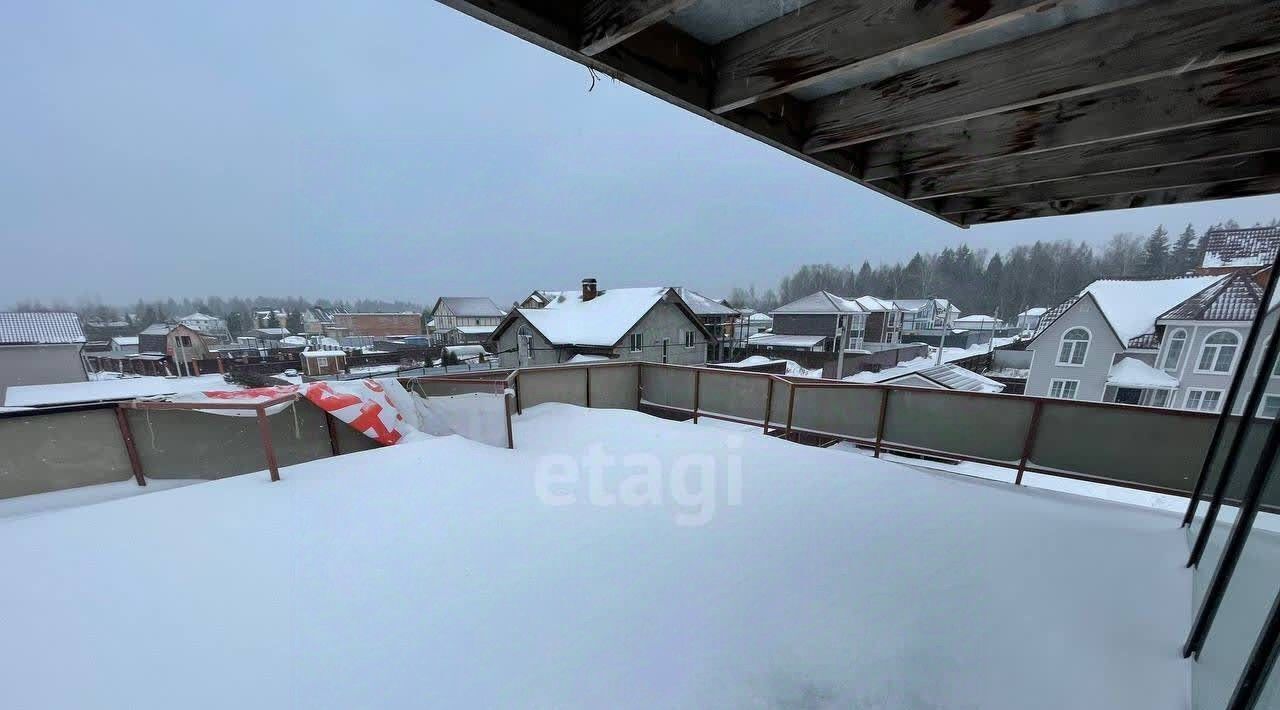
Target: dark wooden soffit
(1154, 102)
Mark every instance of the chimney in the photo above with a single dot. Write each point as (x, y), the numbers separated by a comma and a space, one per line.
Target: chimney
(588, 289)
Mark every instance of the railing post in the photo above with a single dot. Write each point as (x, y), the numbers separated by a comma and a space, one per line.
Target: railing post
(884, 409)
(264, 428)
(639, 384)
(587, 372)
(1033, 428)
(334, 447)
(127, 434)
(506, 409)
(768, 405)
(791, 408)
(516, 386)
(697, 387)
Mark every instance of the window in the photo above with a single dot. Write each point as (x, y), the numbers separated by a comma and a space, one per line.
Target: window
(1064, 389)
(1270, 406)
(688, 339)
(322, 362)
(637, 342)
(1203, 400)
(1173, 351)
(1218, 353)
(1074, 347)
(185, 340)
(524, 345)
(1160, 398)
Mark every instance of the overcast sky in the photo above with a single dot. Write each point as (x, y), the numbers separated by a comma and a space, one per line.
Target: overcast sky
(399, 149)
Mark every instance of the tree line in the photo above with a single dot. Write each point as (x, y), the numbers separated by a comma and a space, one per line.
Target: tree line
(238, 312)
(1028, 275)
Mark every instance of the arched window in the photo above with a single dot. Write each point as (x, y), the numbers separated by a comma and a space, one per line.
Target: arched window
(1173, 351)
(524, 345)
(1218, 353)
(1074, 347)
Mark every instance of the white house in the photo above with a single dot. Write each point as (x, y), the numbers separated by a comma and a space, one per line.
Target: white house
(1104, 345)
(207, 325)
(1029, 320)
(927, 314)
(652, 324)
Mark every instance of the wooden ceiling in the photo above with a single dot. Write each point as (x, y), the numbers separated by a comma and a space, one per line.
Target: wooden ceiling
(976, 111)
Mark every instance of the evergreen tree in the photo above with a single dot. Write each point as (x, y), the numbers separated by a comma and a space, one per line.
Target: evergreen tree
(235, 323)
(1155, 253)
(1183, 256)
(293, 321)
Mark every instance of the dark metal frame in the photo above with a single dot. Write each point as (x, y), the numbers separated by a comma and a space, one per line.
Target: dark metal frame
(1260, 664)
(1233, 392)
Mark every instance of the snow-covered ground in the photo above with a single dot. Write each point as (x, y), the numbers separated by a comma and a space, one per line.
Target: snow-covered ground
(446, 573)
(84, 495)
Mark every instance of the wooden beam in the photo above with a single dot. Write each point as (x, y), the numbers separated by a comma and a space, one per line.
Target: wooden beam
(1187, 100)
(1245, 136)
(1146, 180)
(606, 23)
(828, 38)
(671, 66)
(1150, 41)
(1240, 188)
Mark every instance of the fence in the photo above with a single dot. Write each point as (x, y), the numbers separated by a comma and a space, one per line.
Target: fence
(1157, 450)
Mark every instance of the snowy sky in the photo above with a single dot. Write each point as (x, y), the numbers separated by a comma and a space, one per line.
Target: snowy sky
(399, 149)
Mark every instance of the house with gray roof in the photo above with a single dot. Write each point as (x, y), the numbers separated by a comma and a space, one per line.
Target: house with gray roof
(40, 349)
(450, 312)
(720, 320)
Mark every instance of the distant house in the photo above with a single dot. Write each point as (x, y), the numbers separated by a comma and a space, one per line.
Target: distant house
(922, 315)
(541, 299)
(1251, 250)
(125, 344)
(751, 323)
(318, 320)
(450, 312)
(1029, 320)
(40, 349)
(378, 324)
(468, 334)
(816, 322)
(1080, 340)
(884, 320)
(981, 323)
(265, 337)
(650, 324)
(717, 317)
(208, 325)
(177, 343)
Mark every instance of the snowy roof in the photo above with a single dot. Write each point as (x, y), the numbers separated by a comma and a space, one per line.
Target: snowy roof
(953, 377)
(322, 353)
(759, 318)
(125, 340)
(702, 305)
(977, 319)
(873, 303)
(157, 329)
(293, 340)
(1132, 372)
(474, 329)
(786, 341)
(471, 306)
(1255, 246)
(1233, 298)
(40, 328)
(272, 331)
(109, 390)
(915, 304)
(199, 316)
(751, 361)
(602, 321)
(1132, 306)
(1033, 312)
(466, 350)
(583, 357)
(820, 302)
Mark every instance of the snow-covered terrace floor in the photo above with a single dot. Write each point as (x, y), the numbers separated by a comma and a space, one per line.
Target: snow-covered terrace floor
(432, 574)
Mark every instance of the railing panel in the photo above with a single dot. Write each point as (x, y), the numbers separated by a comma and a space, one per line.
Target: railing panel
(175, 443)
(667, 386)
(428, 387)
(567, 385)
(991, 428)
(614, 386)
(50, 452)
(733, 394)
(779, 402)
(1151, 449)
(842, 411)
